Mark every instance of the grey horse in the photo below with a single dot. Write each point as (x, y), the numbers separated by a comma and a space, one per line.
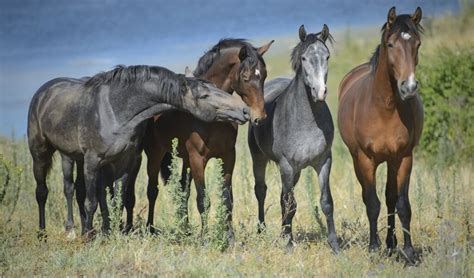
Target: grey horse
(101, 122)
(298, 131)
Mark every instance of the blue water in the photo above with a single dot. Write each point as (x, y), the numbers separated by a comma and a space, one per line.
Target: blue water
(40, 40)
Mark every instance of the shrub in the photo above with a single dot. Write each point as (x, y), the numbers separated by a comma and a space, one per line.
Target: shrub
(447, 89)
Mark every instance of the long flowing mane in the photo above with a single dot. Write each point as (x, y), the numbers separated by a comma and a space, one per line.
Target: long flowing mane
(402, 23)
(301, 47)
(174, 85)
(209, 58)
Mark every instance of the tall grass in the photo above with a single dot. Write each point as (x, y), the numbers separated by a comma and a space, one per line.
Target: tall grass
(441, 196)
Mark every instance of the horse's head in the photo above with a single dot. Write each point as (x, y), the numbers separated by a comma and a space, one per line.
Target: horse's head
(401, 39)
(249, 75)
(209, 103)
(312, 56)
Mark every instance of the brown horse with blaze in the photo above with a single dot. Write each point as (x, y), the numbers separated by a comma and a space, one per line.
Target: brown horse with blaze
(232, 65)
(380, 118)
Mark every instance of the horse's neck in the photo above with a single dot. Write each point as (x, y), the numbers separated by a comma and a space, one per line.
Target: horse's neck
(384, 88)
(143, 101)
(296, 99)
(222, 79)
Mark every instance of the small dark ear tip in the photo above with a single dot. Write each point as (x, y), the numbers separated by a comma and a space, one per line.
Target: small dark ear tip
(302, 26)
(272, 41)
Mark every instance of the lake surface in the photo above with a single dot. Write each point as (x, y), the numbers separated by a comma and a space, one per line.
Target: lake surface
(41, 40)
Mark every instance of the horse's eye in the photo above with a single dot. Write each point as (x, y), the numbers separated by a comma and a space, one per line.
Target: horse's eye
(303, 58)
(390, 45)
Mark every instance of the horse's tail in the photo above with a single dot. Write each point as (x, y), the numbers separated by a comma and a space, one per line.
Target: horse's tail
(165, 167)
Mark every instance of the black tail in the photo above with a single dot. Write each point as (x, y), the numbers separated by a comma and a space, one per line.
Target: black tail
(165, 167)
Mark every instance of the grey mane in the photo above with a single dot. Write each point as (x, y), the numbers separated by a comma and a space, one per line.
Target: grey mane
(174, 85)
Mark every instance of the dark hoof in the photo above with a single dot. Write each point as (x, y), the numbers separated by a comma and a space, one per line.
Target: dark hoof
(374, 246)
(69, 226)
(261, 228)
(90, 235)
(154, 231)
(334, 246)
(126, 230)
(42, 236)
(410, 256)
(290, 246)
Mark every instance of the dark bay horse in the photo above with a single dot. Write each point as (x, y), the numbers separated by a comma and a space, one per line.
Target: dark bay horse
(101, 123)
(233, 65)
(298, 131)
(380, 118)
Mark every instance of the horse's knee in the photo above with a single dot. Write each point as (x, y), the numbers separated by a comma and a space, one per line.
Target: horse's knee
(152, 192)
(327, 205)
(403, 208)
(260, 190)
(41, 194)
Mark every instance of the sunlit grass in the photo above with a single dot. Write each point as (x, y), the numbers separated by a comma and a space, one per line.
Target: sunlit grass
(441, 199)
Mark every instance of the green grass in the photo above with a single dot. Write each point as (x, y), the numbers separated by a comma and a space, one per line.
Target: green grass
(441, 198)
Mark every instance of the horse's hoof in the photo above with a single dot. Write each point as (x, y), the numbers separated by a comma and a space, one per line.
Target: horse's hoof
(261, 228)
(71, 235)
(410, 256)
(374, 247)
(290, 246)
(42, 236)
(334, 246)
(90, 235)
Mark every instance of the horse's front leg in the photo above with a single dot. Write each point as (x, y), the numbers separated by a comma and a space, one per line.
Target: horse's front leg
(198, 164)
(91, 176)
(289, 178)
(403, 205)
(229, 162)
(365, 172)
(326, 202)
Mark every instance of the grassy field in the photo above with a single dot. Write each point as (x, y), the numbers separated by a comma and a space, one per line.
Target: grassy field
(441, 197)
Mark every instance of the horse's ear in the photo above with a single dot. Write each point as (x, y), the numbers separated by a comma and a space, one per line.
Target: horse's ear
(391, 17)
(264, 48)
(416, 16)
(324, 33)
(302, 33)
(243, 53)
(188, 72)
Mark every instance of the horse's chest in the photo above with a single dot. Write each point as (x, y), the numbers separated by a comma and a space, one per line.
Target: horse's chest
(391, 140)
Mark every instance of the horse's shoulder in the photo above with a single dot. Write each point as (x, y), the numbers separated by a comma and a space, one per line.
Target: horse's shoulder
(351, 77)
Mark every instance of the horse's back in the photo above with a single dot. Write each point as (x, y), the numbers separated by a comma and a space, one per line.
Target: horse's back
(351, 77)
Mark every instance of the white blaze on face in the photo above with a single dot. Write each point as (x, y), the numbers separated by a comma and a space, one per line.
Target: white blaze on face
(405, 36)
(322, 86)
(411, 80)
(257, 72)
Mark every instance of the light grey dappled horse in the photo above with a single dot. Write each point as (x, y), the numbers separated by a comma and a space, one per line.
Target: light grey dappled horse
(298, 131)
(100, 124)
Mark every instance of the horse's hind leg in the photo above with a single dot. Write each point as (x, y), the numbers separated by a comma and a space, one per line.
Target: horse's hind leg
(259, 162)
(289, 178)
(154, 155)
(365, 172)
(68, 180)
(80, 187)
(403, 205)
(229, 162)
(326, 202)
(42, 160)
(129, 192)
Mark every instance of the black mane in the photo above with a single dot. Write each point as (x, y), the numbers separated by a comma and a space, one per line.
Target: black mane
(166, 80)
(301, 47)
(402, 23)
(208, 59)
